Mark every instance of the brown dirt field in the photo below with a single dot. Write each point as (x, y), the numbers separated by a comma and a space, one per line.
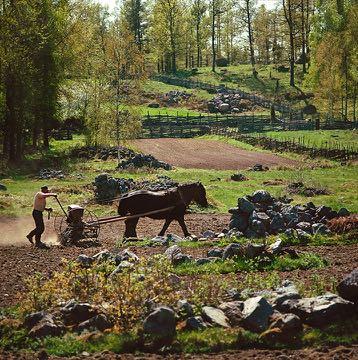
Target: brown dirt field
(323, 353)
(20, 260)
(207, 154)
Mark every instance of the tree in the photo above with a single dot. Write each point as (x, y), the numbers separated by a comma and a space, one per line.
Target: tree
(198, 11)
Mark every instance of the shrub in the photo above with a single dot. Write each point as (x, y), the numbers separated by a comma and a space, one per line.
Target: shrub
(222, 62)
(123, 297)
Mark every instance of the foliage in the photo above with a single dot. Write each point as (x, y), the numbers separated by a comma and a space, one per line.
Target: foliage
(279, 263)
(123, 296)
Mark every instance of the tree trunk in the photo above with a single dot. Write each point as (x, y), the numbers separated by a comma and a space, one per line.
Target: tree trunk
(251, 41)
(303, 37)
(213, 49)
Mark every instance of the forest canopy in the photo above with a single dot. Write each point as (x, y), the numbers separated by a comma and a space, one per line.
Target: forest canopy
(72, 58)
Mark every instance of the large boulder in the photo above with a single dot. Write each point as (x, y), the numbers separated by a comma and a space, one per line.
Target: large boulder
(232, 250)
(99, 322)
(256, 314)
(215, 316)
(348, 287)
(160, 323)
(233, 311)
(47, 326)
(262, 196)
(75, 313)
(245, 205)
(195, 323)
(319, 311)
(287, 323)
(287, 291)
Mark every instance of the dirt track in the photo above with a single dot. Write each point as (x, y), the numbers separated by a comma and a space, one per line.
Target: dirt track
(207, 154)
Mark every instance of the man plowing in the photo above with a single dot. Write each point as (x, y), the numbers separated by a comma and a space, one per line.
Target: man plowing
(37, 214)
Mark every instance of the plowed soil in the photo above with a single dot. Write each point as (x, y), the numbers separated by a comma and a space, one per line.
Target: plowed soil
(208, 154)
(18, 259)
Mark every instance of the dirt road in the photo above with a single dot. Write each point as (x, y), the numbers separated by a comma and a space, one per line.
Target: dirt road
(207, 154)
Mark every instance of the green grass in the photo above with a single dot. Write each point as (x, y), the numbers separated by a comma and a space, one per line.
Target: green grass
(174, 111)
(281, 263)
(319, 138)
(341, 181)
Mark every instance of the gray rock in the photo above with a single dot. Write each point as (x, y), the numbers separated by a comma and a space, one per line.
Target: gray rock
(172, 252)
(121, 266)
(232, 250)
(174, 238)
(160, 241)
(160, 323)
(128, 255)
(258, 227)
(303, 235)
(253, 250)
(233, 311)
(195, 323)
(233, 294)
(98, 322)
(287, 323)
(46, 327)
(256, 314)
(261, 196)
(209, 234)
(276, 247)
(224, 108)
(103, 255)
(343, 212)
(215, 253)
(34, 318)
(215, 316)
(85, 261)
(287, 291)
(290, 233)
(320, 228)
(185, 309)
(277, 223)
(321, 310)
(348, 287)
(203, 261)
(239, 222)
(75, 313)
(245, 205)
(323, 211)
(305, 226)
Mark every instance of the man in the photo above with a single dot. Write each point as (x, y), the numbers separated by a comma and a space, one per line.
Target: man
(37, 214)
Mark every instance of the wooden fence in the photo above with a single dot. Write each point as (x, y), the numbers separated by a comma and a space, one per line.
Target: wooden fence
(190, 126)
(332, 151)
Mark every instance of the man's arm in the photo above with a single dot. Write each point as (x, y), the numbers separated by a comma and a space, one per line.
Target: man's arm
(48, 194)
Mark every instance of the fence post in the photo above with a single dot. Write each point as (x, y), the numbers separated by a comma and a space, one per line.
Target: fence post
(317, 123)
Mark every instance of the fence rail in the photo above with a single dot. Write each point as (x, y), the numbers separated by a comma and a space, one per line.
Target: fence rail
(190, 126)
(338, 151)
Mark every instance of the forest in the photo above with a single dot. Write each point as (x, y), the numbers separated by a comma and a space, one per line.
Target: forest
(73, 59)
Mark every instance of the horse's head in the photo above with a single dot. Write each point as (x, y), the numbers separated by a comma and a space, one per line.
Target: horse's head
(200, 195)
(193, 192)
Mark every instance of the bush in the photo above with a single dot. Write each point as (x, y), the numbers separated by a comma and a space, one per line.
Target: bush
(222, 62)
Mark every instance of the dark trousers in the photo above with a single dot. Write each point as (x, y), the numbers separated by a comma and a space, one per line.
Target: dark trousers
(40, 227)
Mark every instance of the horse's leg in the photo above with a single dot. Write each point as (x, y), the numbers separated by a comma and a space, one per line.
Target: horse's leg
(131, 225)
(165, 226)
(183, 225)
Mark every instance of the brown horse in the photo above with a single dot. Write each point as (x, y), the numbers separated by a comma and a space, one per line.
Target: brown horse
(143, 201)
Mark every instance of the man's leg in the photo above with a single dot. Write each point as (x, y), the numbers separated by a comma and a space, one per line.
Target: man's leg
(40, 227)
(32, 233)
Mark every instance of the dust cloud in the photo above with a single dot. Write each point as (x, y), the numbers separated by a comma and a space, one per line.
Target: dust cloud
(13, 231)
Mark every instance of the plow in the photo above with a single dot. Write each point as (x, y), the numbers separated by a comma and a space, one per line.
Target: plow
(79, 223)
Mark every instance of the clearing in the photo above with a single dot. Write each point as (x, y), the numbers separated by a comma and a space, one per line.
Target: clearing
(206, 154)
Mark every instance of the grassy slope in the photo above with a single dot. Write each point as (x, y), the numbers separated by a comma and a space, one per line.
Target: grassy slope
(319, 138)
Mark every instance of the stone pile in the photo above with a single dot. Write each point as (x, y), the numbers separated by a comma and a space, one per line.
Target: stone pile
(143, 160)
(260, 214)
(227, 103)
(46, 174)
(278, 315)
(175, 97)
(103, 153)
(72, 314)
(107, 188)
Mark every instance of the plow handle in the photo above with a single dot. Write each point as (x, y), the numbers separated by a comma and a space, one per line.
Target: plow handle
(58, 201)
